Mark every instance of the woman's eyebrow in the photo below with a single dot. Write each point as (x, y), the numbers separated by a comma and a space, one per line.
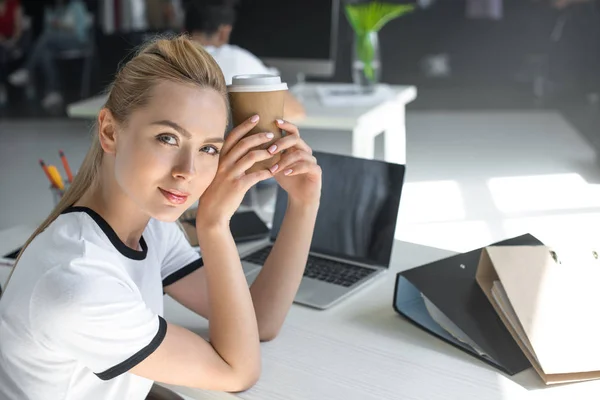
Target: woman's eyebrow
(184, 132)
(173, 125)
(214, 140)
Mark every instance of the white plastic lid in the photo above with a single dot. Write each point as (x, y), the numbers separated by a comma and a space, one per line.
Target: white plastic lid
(256, 83)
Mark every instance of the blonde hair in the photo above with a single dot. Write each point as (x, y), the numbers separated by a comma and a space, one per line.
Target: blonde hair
(176, 59)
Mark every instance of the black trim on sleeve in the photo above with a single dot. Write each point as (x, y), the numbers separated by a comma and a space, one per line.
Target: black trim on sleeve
(112, 235)
(183, 272)
(137, 357)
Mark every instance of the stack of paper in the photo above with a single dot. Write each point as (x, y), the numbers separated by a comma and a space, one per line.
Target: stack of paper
(501, 299)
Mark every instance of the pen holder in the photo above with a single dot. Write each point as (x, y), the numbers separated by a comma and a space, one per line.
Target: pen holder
(57, 193)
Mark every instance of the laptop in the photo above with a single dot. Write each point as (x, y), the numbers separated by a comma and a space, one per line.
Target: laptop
(354, 232)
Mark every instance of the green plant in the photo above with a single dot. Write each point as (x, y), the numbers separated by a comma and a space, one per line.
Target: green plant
(367, 18)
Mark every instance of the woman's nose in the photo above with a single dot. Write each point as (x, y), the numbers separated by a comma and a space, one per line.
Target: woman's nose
(184, 168)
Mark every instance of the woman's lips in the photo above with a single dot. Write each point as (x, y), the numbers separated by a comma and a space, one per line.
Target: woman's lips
(175, 197)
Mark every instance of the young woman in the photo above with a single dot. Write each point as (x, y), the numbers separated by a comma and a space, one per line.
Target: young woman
(81, 314)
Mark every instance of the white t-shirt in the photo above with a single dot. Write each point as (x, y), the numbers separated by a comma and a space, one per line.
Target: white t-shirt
(234, 60)
(82, 309)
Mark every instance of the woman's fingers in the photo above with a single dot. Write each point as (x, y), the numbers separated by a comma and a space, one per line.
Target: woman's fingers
(246, 162)
(251, 179)
(291, 139)
(285, 143)
(238, 153)
(244, 146)
(238, 133)
(288, 127)
(288, 159)
(301, 167)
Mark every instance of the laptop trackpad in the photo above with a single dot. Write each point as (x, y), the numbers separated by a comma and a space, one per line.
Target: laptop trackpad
(316, 293)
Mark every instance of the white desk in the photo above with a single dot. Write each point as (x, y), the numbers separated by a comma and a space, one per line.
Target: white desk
(361, 349)
(364, 123)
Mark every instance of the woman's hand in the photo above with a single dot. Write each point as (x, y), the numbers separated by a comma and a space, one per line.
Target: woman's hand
(297, 172)
(225, 194)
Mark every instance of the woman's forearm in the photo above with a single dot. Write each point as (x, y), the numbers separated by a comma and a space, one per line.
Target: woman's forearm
(276, 285)
(233, 329)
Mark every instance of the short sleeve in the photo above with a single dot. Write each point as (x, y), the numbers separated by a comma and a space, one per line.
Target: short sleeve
(179, 257)
(96, 319)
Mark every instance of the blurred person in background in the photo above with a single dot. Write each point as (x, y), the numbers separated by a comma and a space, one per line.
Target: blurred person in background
(164, 15)
(210, 22)
(11, 28)
(65, 28)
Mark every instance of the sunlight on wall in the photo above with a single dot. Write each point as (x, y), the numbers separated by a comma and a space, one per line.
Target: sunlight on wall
(576, 228)
(457, 236)
(432, 201)
(555, 208)
(543, 193)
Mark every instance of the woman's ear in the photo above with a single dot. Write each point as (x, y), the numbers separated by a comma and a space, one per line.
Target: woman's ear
(107, 131)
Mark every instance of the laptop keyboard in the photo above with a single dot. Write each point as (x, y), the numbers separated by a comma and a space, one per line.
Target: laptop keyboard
(322, 269)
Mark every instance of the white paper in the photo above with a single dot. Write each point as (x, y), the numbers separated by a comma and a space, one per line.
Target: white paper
(450, 327)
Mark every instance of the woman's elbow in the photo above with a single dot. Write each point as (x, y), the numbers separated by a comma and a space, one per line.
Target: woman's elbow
(266, 335)
(246, 381)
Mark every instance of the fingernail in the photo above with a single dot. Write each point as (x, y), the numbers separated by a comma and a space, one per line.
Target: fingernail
(270, 135)
(279, 121)
(287, 172)
(272, 149)
(254, 118)
(274, 168)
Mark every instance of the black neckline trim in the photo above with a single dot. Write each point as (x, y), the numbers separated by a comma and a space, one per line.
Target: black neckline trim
(138, 357)
(112, 235)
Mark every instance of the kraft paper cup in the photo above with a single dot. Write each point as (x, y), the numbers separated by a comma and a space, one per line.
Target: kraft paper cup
(263, 95)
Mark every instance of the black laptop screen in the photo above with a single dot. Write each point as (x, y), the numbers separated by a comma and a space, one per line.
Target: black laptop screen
(359, 208)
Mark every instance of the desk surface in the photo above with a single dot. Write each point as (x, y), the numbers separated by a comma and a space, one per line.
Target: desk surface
(317, 115)
(361, 349)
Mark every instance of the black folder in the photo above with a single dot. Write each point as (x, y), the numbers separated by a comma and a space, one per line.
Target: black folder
(449, 285)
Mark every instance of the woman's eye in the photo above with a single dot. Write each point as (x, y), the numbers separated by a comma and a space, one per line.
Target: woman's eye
(212, 150)
(167, 139)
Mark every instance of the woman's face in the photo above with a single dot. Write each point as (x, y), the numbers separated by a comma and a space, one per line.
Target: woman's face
(167, 154)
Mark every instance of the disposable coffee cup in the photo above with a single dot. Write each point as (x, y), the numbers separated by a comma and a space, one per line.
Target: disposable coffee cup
(263, 95)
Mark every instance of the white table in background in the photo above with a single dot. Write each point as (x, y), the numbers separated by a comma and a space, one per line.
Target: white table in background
(361, 349)
(364, 123)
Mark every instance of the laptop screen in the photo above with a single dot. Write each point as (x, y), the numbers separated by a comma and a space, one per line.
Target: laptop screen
(357, 217)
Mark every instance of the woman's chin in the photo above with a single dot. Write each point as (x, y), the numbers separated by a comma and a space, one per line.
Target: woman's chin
(168, 214)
